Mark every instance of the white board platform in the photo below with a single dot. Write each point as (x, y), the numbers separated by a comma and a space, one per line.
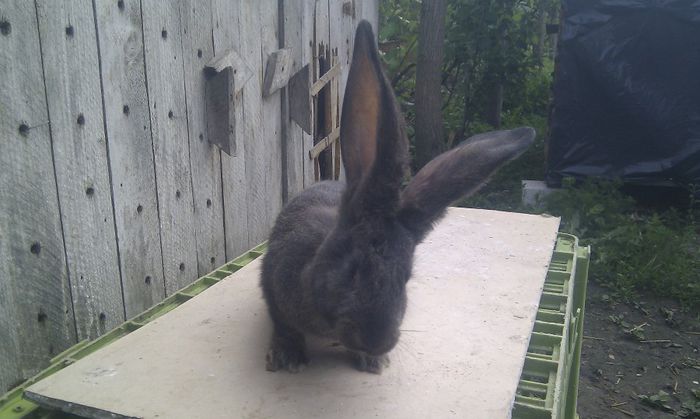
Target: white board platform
(472, 302)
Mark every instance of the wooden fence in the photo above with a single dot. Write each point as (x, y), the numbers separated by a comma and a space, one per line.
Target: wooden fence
(111, 195)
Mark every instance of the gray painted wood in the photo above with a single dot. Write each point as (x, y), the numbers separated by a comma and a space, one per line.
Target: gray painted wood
(36, 317)
(270, 151)
(226, 35)
(166, 97)
(130, 153)
(205, 159)
(72, 77)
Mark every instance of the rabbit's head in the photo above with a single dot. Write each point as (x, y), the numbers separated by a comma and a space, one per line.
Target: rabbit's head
(360, 272)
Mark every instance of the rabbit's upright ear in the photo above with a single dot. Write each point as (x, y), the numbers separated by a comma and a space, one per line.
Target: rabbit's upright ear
(373, 143)
(458, 173)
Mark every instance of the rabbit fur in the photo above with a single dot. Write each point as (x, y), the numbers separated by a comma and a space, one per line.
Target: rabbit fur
(340, 254)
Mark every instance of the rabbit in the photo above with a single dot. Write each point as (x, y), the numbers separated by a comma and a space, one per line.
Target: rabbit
(340, 254)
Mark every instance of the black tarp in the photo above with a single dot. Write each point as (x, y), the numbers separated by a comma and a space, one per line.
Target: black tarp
(627, 93)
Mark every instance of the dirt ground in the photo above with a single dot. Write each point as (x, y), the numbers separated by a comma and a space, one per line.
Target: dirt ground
(631, 353)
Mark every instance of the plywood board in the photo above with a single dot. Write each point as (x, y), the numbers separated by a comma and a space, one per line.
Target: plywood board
(472, 302)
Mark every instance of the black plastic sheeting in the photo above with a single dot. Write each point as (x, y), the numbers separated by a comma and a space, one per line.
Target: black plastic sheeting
(627, 93)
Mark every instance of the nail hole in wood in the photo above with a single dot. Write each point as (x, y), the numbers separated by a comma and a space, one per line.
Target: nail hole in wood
(69, 31)
(81, 119)
(212, 260)
(170, 114)
(41, 317)
(102, 317)
(90, 191)
(139, 209)
(120, 4)
(199, 53)
(5, 27)
(164, 34)
(24, 129)
(201, 137)
(125, 109)
(182, 267)
(35, 248)
(147, 280)
(177, 194)
(208, 203)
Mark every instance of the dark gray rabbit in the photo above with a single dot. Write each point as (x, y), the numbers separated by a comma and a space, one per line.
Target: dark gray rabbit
(340, 255)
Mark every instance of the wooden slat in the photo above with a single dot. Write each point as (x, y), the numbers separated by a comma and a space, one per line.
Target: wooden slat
(324, 143)
(226, 35)
(130, 152)
(205, 159)
(329, 75)
(71, 69)
(323, 66)
(36, 317)
(164, 74)
(270, 150)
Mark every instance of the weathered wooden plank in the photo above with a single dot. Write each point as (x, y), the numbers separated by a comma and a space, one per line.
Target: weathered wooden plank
(250, 47)
(368, 10)
(130, 152)
(165, 80)
(277, 69)
(71, 70)
(205, 159)
(323, 65)
(344, 18)
(226, 36)
(270, 151)
(298, 34)
(36, 317)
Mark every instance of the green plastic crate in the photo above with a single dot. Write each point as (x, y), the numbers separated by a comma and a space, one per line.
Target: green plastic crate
(548, 387)
(549, 383)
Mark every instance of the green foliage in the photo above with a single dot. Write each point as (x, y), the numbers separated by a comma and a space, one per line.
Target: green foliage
(633, 249)
(487, 43)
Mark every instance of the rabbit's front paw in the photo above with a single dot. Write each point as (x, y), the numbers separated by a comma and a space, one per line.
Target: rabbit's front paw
(281, 357)
(370, 363)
